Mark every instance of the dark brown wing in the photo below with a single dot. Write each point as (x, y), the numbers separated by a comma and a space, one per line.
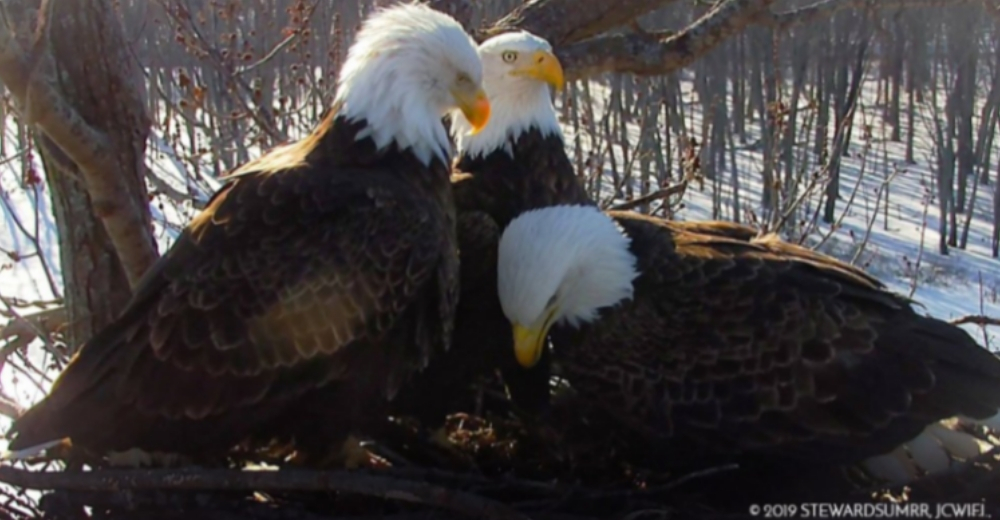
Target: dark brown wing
(743, 346)
(534, 173)
(477, 230)
(718, 228)
(492, 191)
(280, 286)
(482, 335)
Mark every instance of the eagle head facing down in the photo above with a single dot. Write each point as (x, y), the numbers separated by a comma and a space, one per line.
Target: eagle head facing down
(410, 66)
(519, 68)
(560, 264)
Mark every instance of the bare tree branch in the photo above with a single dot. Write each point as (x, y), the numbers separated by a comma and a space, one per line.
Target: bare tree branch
(976, 320)
(460, 10)
(664, 193)
(28, 327)
(657, 53)
(386, 487)
(563, 22)
(180, 14)
(827, 8)
(664, 52)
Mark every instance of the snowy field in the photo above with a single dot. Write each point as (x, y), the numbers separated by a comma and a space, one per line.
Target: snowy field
(962, 283)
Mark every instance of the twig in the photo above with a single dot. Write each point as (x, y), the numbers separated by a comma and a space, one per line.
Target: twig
(33, 238)
(871, 222)
(707, 472)
(306, 17)
(920, 247)
(979, 319)
(982, 312)
(263, 116)
(286, 480)
(24, 329)
(270, 55)
(664, 193)
(9, 407)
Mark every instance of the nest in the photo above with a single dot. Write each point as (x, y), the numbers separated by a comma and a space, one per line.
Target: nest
(494, 469)
(493, 465)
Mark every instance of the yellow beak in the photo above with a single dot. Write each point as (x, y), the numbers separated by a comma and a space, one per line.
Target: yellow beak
(528, 345)
(544, 66)
(529, 341)
(474, 105)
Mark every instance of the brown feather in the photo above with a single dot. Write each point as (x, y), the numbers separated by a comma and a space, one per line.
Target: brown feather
(489, 192)
(769, 348)
(320, 275)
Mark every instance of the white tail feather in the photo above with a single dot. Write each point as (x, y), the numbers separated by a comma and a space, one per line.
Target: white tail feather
(941, 447)
(992, 423)
(958, 444)
(928, 453)
(894, 467)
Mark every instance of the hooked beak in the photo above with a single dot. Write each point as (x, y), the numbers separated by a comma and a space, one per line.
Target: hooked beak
(544, 66)
(475, 106)
(529, 341)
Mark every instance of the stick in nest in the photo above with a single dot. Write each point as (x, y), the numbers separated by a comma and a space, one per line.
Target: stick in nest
(287, 480)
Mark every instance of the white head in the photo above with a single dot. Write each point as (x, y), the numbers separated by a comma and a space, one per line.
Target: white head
(518, 68)
(410, 66)
(560, 264)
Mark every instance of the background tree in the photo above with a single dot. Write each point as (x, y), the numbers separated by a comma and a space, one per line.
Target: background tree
(75, 79)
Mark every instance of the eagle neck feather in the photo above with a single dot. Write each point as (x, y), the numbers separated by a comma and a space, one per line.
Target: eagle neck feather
(517, 111)
(343, 142)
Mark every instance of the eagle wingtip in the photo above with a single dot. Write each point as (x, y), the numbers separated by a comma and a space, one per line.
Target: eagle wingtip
(32, 452)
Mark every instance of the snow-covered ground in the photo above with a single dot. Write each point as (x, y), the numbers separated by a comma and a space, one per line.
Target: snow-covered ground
(961, 283)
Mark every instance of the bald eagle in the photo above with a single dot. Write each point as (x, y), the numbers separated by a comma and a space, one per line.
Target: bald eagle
(708, 345)
(519, 163)
(516, 163)
(315, 282)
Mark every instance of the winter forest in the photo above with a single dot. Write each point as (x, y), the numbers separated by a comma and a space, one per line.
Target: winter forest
(862, 129)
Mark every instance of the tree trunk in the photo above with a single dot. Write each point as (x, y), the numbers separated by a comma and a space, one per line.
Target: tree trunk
(96, 288)
(964, 103)
(895, 65)
(84, 92)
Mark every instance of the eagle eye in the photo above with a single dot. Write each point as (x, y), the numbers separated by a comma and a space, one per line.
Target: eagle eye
(509, 56)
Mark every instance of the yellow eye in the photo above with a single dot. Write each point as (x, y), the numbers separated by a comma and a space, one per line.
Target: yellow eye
(509, 56)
